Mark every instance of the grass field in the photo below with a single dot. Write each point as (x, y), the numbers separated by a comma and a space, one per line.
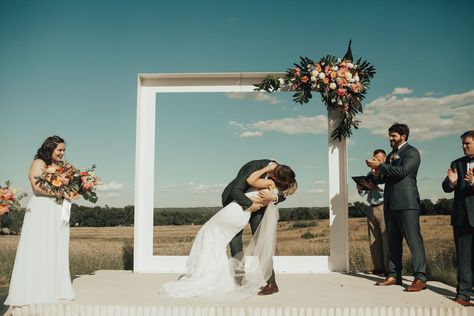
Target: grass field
(111, 248)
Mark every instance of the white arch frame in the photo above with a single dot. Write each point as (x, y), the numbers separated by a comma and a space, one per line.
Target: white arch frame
(148, 86)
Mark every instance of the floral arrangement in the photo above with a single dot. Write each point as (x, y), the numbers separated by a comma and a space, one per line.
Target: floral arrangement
(64, 178)
(88, 184)
(9, 199)
(342, 84)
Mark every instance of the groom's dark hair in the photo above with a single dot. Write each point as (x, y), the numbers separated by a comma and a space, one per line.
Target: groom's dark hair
(284, 178)
(401, 129)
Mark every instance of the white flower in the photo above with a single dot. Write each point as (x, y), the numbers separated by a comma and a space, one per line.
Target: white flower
(281, 81)
(322, 75)
(348, 75)
(332, 85)
(335, 68)
(51, 169)
(339, 60)
(313, 79)
(356, 78)
(350, 65)
(314, 73)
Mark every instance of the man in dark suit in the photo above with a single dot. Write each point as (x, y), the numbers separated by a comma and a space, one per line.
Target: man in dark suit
(402, 207)
(235, 191)
(460, 179)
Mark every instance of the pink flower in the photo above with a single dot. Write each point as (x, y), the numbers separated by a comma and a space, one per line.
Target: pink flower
(341, 91)
(86, 186)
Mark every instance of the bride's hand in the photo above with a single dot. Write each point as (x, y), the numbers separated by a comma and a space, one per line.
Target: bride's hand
(271, 166)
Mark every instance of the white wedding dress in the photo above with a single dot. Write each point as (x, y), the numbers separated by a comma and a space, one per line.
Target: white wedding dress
(41, 270)
(210, 272)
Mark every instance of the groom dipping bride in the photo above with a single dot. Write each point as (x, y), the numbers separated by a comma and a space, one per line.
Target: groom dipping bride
(250, 197)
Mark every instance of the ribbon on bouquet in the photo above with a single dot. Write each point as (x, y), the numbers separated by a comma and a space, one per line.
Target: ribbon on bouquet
(66, 211)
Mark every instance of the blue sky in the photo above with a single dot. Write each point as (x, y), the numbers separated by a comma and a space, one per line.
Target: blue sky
(70, 68)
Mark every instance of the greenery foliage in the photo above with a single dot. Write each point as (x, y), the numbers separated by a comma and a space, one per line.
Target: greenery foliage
(84, 216)
(341, 83)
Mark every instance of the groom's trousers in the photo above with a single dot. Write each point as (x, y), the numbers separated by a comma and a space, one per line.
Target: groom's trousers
(236, 245)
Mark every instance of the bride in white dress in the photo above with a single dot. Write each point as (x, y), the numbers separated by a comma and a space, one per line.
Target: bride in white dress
(41, 270)
(209, 270)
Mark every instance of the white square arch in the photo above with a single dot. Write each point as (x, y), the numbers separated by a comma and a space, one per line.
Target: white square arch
(151, 84)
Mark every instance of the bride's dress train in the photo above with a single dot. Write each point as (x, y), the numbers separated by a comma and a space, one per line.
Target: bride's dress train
(211, 273)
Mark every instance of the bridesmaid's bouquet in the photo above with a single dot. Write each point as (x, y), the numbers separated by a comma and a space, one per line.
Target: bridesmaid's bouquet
(9, 199)
(88, 184)
(64, 178)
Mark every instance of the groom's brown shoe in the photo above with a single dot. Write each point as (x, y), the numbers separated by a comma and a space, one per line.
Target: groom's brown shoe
(268, 289)
(389, 281)
(416, 286)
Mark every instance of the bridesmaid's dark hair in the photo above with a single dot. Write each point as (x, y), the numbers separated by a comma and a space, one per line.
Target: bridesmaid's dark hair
(45, 152)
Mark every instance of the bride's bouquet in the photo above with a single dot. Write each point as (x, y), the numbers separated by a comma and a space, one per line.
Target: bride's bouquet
(9, 199)
(64, 178)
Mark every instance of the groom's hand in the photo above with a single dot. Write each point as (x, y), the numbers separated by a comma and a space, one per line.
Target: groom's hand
(268, 196)
(255, 207)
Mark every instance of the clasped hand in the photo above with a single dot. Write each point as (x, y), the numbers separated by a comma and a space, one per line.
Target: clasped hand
(263, 198)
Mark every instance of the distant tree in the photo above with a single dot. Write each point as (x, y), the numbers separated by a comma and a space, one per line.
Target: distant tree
(443, 207)
(358, 209)
(427, 207)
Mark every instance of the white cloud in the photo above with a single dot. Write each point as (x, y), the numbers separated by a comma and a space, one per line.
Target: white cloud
(427, 117)
(208, 188)
(168, 188)
(251, 134)
(109, 186)
(256, 96)
(402, 90)
(289, 125)
(314, 191)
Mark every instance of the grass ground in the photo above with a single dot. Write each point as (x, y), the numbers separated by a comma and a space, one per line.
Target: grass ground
(111, 248)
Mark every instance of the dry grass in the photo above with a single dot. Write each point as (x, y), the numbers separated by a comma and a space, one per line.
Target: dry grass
(111, 248)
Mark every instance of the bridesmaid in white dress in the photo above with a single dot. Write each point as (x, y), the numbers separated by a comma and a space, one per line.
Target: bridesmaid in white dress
(209, 271)
(41, 270)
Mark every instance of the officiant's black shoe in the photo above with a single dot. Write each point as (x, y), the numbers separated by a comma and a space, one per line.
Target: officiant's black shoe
(268, 289)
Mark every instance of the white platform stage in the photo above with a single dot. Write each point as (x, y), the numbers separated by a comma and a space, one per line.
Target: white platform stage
(124, 293)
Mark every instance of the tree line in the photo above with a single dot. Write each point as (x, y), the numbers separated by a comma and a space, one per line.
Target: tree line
(84, 216)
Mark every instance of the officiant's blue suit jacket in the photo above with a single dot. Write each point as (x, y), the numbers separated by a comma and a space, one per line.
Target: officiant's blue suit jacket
(463, 203)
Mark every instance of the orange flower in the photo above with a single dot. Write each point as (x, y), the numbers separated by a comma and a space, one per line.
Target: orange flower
(326, 80)
(318, 67)
(57, 182)
(333, 74)
(356, 87)
(343, 82)
(304, 79)
(4, 209)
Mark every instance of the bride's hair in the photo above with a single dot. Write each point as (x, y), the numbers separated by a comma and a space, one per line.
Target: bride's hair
(284, 179)
(45, 152)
